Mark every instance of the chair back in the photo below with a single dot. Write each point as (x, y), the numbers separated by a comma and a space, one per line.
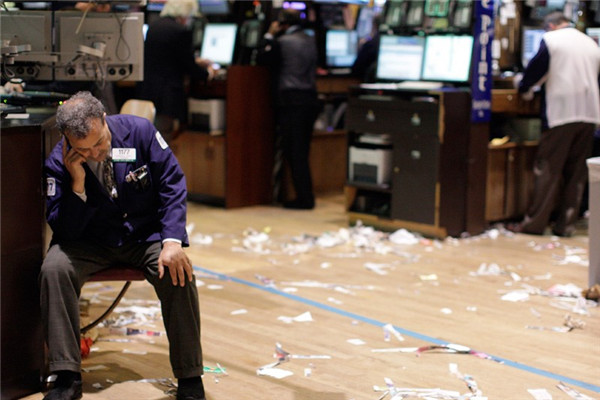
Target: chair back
(141, 108)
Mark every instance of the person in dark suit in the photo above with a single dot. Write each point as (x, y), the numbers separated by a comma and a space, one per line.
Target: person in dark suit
(292, 55)
(366, 60)
(168, 59)
(115, 196)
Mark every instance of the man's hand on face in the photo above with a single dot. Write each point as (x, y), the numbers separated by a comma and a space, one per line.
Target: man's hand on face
(174, 258)
(73, 161)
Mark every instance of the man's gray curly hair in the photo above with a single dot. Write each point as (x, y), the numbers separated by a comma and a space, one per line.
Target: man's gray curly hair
(180, 8)
(74, 116)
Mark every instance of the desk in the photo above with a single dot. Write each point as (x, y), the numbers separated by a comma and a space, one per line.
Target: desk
(22, 230)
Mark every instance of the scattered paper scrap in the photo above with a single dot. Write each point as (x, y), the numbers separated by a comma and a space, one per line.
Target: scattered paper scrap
(389, 330)
(540, 394)
(277, 373)
(356, 342)
(304, 317)
(517, 295)
(574, 394)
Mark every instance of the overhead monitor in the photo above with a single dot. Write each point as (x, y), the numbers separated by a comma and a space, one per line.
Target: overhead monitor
(437, 8)
(400, 58)
(214, 7)
(462, 14)
(155, 5)
(394, 13)
(340, 47)
(218, 42)
(530, 44)
(100, 46)
(447, 58)
(27, 54)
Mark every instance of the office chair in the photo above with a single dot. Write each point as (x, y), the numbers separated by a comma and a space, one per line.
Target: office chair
(141, 108)
(145, 109)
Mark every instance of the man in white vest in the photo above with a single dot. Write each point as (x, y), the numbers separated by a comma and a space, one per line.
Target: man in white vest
(568, 66)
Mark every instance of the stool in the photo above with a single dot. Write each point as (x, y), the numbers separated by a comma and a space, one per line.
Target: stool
(127, 274)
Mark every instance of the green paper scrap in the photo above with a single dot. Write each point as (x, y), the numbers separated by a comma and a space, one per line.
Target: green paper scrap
(215, 370)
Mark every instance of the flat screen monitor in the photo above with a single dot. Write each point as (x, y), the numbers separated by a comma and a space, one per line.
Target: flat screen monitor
(594, 33)
(33, 28)
(29, 34)
(340, 47)
(218, 42)
(214, 7)
(155, 5)
(447, 58)
(400, 58)
(100, 47)
(530, 44)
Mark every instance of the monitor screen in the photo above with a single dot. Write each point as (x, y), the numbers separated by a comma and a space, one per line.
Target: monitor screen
(27, 28)
(218, 42)
(400, 58)
(530, 44)
(340, 47)
(594, 33)
(214, 7)
(28, 35)
(103, 46)
(155, 5)
(447, 58)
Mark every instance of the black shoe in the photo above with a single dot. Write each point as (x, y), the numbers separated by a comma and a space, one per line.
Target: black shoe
(72, 391)
(299, 205)
(190, 389)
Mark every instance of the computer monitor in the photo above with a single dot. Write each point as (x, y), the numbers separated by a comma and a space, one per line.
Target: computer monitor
(447, 58)
(218, 42)
(437, 8)
(214, 7)
(530, 44)
(29, 36)
(341, 46)
(400, 58)
(100, 46)
(594, 33)
(155, 5)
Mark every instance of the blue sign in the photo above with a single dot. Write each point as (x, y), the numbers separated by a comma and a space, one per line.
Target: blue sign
(481, 82)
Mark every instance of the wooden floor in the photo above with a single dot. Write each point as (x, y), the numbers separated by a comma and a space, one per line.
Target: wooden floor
(267, 263)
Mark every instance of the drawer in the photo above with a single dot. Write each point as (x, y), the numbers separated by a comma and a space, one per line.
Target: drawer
(510, 101)
(390, 115)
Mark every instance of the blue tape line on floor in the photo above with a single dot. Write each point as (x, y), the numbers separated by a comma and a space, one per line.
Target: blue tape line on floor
(403, 331)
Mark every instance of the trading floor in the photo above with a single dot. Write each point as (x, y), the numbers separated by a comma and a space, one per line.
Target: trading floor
(298, 305)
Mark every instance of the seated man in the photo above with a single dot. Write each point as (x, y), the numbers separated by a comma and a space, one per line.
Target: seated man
(115, 195)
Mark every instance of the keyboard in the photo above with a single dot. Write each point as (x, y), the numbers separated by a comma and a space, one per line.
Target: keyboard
(406, 85)
(33, 97)
(419, 85)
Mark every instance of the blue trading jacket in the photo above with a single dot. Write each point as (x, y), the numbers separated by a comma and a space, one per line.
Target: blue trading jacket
(151, 213)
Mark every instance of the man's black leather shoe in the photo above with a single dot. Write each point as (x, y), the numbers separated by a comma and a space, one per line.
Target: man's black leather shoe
(191, 389)
(72, 391)
(190, 397)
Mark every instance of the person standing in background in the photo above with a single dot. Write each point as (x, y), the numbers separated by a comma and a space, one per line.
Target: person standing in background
(168, 59)
(568, 64)
(366, 60)
(292, 56)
